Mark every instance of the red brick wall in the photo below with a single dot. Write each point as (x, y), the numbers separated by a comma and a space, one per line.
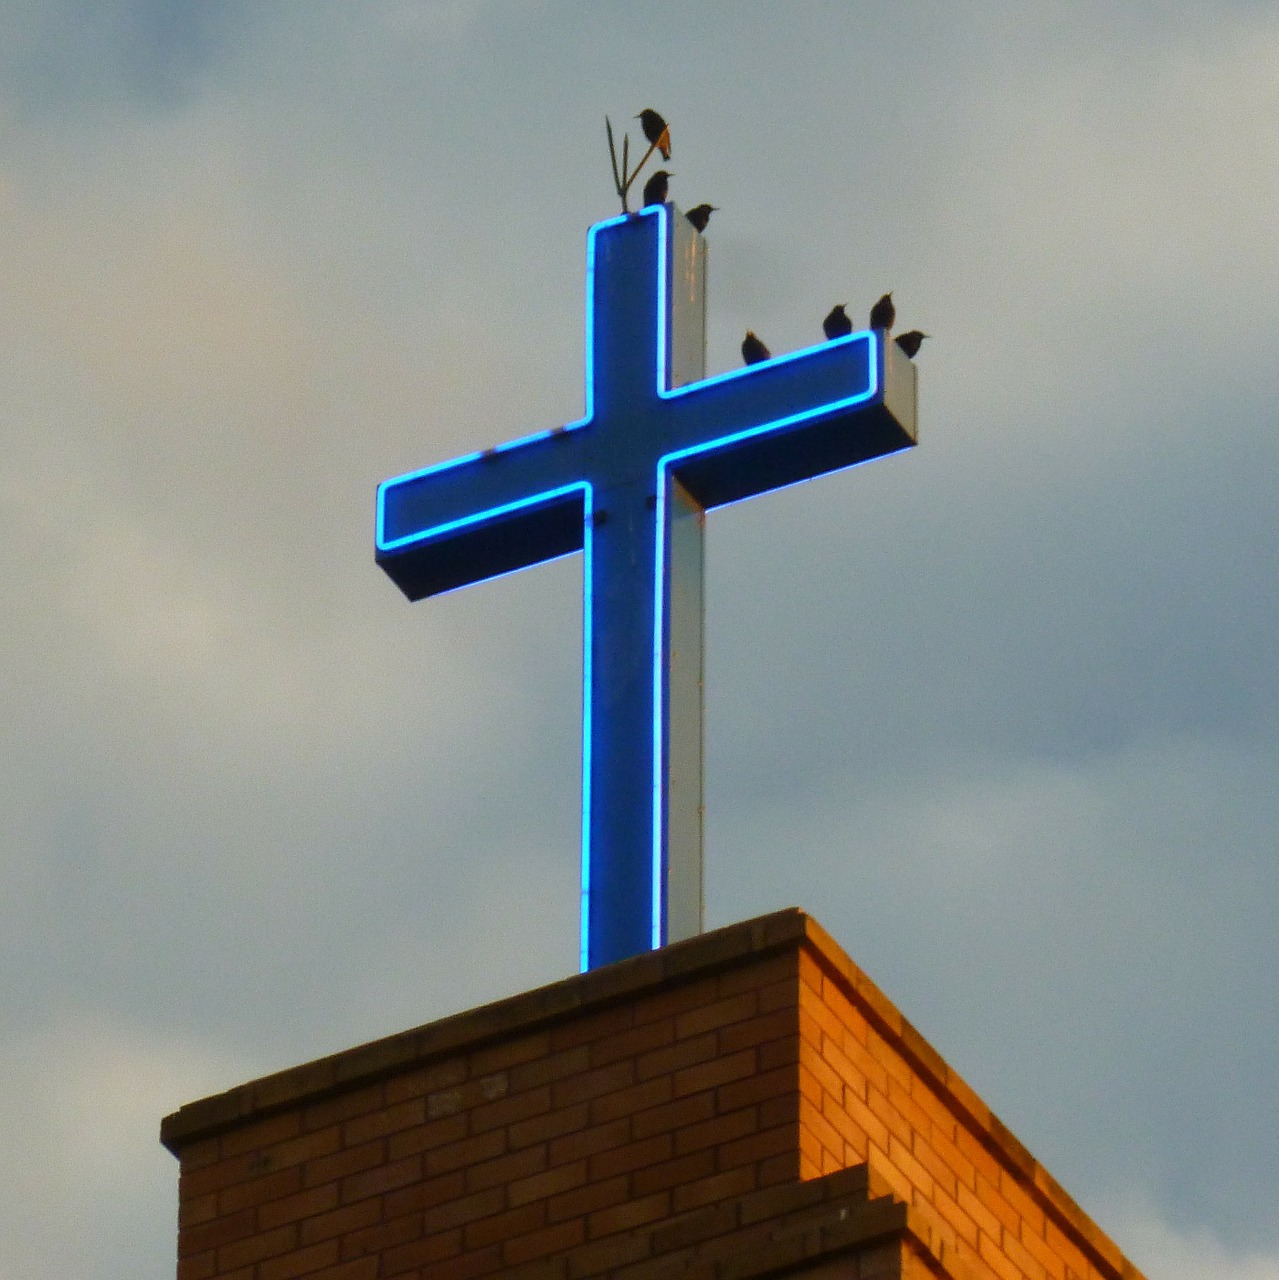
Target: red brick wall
(873, 1090)
(604, 1105)
(514, 1150)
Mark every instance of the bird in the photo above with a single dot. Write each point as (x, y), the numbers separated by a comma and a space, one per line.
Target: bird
(753, 350)
(656, 130)
(655, 188)
(700, 214)
(883, 313)
(837, 324)
(910, 342)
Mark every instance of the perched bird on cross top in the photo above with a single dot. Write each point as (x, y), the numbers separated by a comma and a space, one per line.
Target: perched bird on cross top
(837, 324)
(700, 214)
(883, 313)
(655, 188)
(753, 350)
(910, 342)
(656, 130)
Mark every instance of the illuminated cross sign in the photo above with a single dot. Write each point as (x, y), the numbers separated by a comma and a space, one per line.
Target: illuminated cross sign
(628, 485)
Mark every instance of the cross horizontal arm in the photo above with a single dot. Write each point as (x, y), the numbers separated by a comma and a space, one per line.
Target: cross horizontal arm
(483, 515)
(791, 418)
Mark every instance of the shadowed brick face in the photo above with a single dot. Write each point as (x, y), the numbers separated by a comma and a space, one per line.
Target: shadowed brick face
(593, 1118)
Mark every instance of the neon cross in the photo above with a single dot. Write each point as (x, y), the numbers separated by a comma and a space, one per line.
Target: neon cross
(628, 485)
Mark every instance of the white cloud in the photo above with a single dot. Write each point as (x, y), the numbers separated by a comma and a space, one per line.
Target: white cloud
(83, 1173)
(1164, 1250)
(187, 487)
(1098, 232)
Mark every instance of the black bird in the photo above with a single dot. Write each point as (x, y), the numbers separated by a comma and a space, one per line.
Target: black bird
(837, 324)
(655, 188)
(753, 350)
(656, 130)
(883, 313)
(910, 342)
(700, 214)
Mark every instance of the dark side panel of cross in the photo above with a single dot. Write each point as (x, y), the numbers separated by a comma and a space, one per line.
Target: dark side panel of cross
(628, 485)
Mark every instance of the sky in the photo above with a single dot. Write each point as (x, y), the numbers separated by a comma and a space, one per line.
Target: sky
(1002, 712)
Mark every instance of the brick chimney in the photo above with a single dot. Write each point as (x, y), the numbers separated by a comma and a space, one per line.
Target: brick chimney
(743, 1104)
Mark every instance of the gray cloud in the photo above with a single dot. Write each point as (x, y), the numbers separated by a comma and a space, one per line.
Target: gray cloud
(1000, 711)
(65, 57)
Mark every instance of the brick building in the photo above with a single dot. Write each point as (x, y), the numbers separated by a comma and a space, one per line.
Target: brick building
(744, 1104)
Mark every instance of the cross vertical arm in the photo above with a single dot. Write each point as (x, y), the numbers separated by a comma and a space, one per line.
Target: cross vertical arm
(643, 756)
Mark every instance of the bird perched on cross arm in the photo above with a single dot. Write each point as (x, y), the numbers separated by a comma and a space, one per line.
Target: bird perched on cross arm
(700, 214)
(655, 188)
(883, 313)
(910, 342)
(656, 130)
(837, 324)
(753, 350)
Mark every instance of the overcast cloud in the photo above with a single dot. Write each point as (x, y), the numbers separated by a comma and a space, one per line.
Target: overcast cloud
(1001, 712)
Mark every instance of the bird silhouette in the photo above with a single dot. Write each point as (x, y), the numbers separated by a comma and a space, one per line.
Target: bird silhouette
(700, 214)
(883, 313)
(753, 350)
(656, 130)
(655, 187)
(910, 342)
(837, 324)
